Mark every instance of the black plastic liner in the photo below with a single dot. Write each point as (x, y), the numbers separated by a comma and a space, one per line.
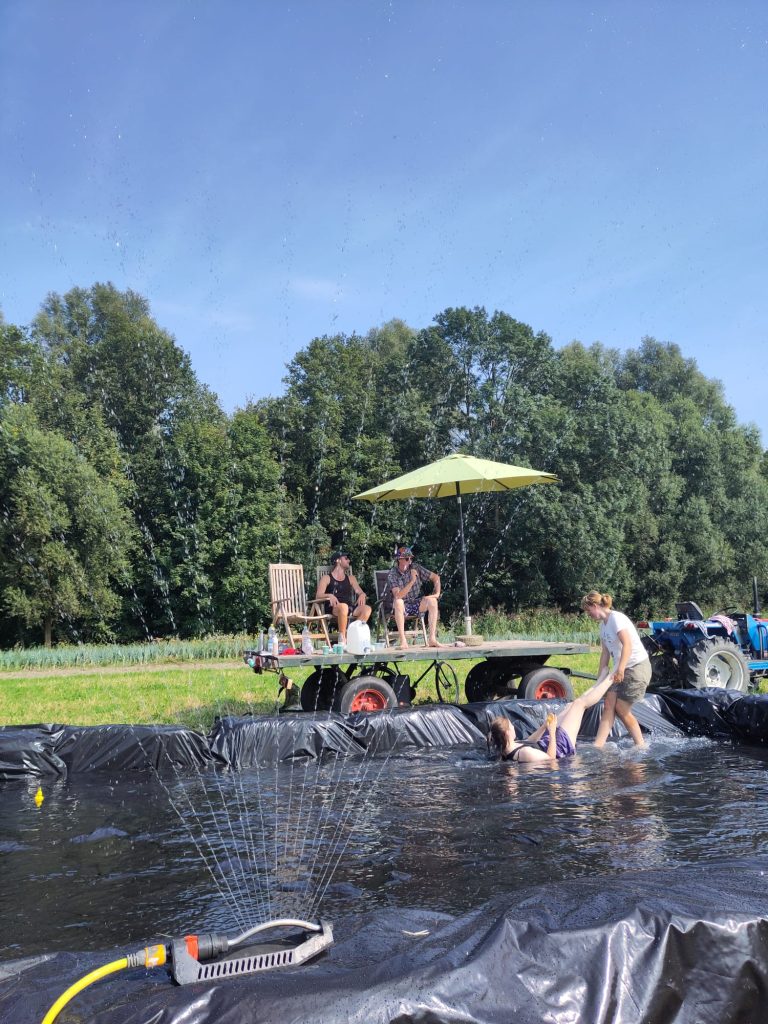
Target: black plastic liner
(30, 750)
(110, 747)
(41, 750)
(718, 714)
(655, 947)
(242, 742)
(575, 929)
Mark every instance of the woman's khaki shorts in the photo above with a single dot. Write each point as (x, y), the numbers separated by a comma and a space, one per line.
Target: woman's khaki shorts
(634, 684)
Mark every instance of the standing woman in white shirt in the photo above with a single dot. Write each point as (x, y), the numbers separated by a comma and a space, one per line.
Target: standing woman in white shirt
(620, 643)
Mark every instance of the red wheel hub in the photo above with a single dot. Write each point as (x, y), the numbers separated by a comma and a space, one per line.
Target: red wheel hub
(368, 700)
(550, 689)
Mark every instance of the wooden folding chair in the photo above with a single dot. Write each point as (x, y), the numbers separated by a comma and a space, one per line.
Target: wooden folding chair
(320, 571)
(385, 613)
(290, 606)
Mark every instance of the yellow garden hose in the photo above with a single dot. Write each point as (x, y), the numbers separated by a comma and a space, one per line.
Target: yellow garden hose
(187, 953)
(151, 956)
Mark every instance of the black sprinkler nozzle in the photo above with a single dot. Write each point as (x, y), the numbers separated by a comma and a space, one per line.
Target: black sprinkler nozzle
(209, 945)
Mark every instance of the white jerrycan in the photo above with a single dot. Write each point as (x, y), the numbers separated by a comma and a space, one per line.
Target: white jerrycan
(358, 638)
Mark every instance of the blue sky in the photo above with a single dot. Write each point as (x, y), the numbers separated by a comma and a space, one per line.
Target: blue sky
(268, 172)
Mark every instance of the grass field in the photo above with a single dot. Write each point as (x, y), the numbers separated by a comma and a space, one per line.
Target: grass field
(190, 682)
(191, 695)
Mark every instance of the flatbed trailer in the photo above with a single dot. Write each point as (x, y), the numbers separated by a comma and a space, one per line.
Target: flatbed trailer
(380, 679)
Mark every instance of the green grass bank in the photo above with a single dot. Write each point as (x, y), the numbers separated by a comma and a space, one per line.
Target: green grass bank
(191, 682)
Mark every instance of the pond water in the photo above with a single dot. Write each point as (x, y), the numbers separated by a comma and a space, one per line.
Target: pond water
(119, 861)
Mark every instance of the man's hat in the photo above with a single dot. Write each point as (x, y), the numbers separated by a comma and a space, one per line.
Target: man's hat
(403, 551)
(337, 555)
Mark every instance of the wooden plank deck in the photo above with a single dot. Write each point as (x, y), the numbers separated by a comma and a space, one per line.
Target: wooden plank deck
(390, 655)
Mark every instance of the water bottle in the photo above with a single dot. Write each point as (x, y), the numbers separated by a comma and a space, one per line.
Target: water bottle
(272, 641)
(306, 642)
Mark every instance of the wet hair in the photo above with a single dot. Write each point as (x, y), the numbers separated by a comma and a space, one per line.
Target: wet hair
(498, 734)
(595, 597)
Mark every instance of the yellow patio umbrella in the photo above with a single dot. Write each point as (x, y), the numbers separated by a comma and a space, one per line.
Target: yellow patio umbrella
(453, 476)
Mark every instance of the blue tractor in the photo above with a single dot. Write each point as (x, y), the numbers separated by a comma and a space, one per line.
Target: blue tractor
(728, 650)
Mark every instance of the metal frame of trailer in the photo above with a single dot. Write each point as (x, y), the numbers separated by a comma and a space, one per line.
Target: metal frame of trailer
(376, 681)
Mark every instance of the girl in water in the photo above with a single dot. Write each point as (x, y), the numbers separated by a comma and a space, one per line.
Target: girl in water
(553, 740)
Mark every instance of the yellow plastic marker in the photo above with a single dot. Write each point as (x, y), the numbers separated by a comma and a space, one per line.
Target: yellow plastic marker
(39, 796)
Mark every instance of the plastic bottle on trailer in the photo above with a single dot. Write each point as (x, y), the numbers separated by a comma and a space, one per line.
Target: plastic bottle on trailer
(272, 647)
(358, 638)
(306, 642)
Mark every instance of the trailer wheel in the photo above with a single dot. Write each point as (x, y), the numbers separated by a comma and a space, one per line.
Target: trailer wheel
(717, 664)
(319, 689)
(365, 693)
(546, 684)
(480, 683)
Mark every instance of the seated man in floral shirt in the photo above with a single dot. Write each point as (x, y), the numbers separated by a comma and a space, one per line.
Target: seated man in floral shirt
(404, 583)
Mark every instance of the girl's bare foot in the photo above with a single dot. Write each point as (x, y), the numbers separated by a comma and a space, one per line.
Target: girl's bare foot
(403, 645)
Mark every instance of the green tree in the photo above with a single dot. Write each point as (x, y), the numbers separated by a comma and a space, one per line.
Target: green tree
(717, 506)
(334, 434)
(19, 363)
(260, 527)
(119, 370)
(117, 356)
(65, 537)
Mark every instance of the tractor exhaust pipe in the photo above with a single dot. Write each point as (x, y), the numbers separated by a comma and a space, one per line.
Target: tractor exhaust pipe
(755, 596)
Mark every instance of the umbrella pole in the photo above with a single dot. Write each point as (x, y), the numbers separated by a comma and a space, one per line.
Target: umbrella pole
(467, 619)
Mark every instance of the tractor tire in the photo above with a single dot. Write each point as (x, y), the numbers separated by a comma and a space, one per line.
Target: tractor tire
(365, 693)
(716, 664)
(545, 684)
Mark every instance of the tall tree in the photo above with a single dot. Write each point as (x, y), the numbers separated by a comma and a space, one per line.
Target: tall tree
(117, 356)
(65, 536)
(20, 363)
(333, 432)
(129, 374)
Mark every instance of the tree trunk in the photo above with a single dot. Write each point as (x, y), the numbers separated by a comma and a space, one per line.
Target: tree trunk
(48, 630)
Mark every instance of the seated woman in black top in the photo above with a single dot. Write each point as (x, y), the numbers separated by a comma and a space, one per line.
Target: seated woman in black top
(553, 740)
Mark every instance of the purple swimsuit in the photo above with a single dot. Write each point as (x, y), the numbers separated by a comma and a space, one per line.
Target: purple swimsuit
(563, 744)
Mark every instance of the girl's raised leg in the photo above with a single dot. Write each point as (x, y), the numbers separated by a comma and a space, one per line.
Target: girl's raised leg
(570, 717)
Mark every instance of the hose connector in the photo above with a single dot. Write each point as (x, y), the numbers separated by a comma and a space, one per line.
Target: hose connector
(150, 956)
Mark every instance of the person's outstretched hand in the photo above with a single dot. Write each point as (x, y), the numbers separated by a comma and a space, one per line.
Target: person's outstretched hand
(551, 720)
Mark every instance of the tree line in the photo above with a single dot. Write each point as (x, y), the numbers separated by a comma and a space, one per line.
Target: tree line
(132, 506)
